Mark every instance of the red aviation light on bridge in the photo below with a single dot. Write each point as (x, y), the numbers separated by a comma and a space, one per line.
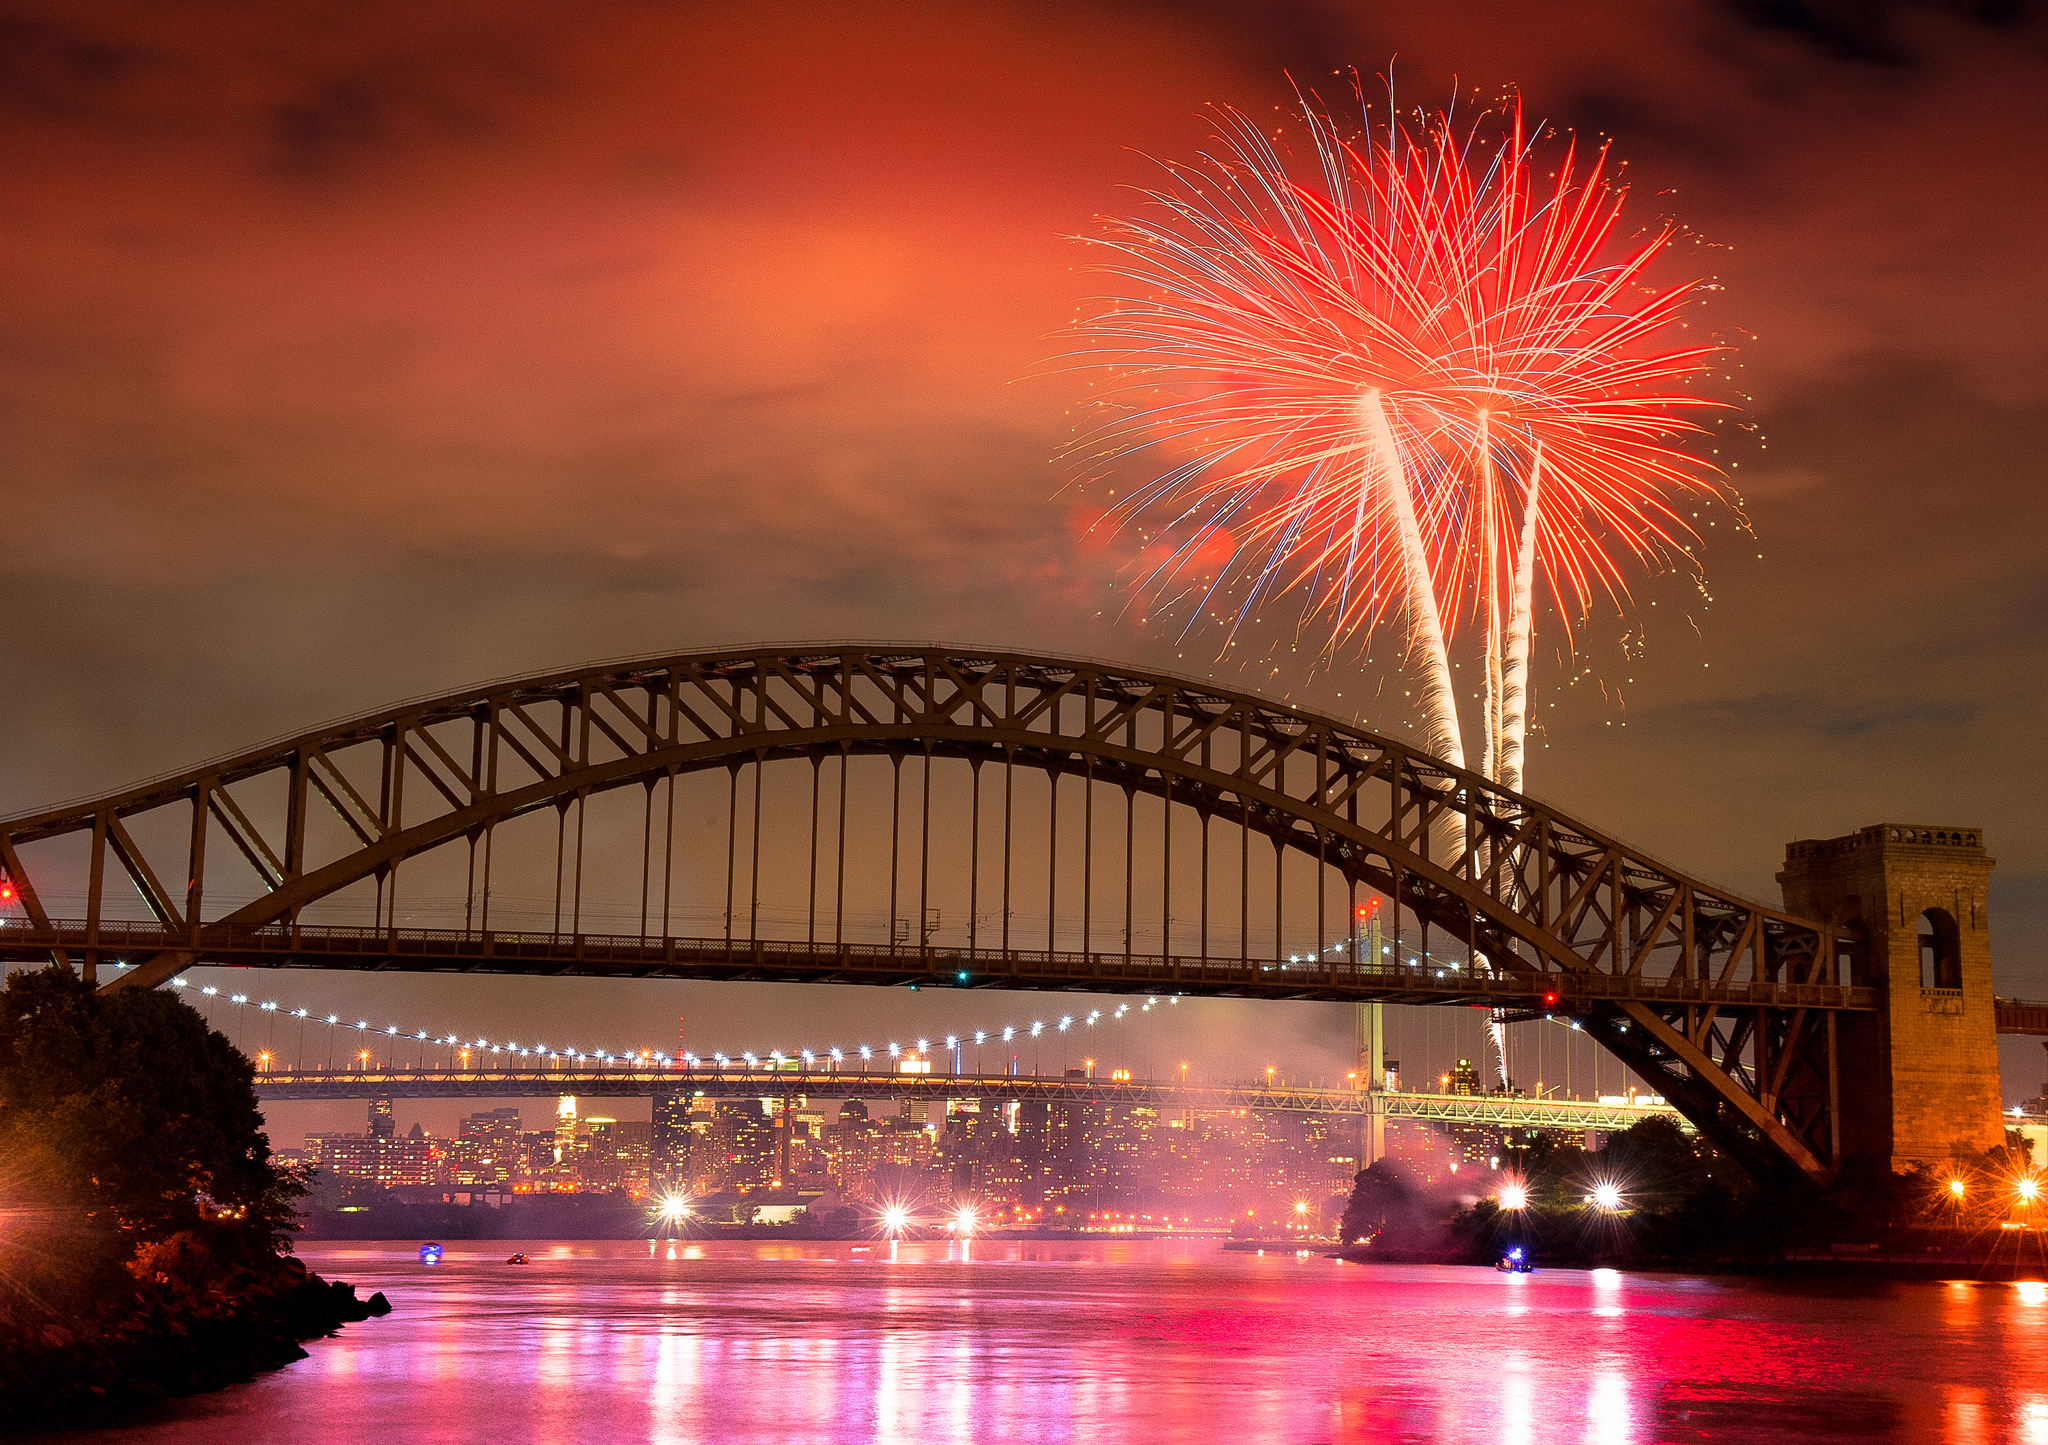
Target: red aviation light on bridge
(1549, 999)
(6, 891)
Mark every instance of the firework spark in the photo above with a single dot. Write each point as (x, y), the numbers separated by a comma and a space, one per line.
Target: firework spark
(1407, 377)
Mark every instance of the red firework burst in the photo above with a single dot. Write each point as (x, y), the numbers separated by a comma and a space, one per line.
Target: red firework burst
(1483, 297)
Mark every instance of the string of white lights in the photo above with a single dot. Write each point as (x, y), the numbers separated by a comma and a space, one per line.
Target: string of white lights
(1008, 1033)
(767, 1059)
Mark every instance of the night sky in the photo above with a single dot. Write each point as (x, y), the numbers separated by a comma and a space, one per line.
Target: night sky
(355, 353)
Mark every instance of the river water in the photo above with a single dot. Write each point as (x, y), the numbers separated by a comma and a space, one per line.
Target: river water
(1106, 1342)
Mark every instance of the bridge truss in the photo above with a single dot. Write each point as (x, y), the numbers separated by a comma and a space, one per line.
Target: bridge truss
(1725, 1007)
(1498, 1110)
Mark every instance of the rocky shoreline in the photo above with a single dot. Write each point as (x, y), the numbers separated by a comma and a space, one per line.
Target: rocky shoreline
(1855, 1264)
(180, 1336)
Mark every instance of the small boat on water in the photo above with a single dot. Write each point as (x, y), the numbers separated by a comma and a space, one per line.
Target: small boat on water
(430, 1253)
(1515, 1261)
(518, 1259)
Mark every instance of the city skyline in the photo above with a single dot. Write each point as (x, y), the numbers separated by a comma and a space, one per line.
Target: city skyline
(1007, 1163)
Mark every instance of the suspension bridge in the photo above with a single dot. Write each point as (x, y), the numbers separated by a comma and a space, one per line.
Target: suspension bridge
(829, 807)
(1498, 1110)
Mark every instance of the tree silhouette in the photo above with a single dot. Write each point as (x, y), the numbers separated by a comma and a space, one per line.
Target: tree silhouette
(124, 1120)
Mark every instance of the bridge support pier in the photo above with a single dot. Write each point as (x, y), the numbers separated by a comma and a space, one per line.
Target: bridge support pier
(1919, 1077)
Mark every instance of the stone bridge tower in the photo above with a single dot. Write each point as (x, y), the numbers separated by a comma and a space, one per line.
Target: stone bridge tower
(1918, 1079)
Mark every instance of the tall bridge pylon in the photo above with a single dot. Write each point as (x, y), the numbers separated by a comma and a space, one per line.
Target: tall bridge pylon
(1911, 904)
(1139, 819)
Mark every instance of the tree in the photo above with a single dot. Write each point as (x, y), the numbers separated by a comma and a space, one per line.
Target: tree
(124, 1119)
(1654, 1163)
(1383, 1201)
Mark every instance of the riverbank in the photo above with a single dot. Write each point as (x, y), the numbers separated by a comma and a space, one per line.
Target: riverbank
(1848, 1264)
(595, 1217)
(187, 1329)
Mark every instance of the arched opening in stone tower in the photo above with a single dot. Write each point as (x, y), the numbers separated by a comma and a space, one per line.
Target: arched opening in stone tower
(1941, 962)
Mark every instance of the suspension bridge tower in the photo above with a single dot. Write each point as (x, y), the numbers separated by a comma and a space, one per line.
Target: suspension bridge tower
(1919, 1077)
(1372, 1078)
(1372, 1043)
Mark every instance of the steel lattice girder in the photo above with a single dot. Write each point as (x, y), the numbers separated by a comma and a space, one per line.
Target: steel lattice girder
(1543, 898)
(1505, 1110)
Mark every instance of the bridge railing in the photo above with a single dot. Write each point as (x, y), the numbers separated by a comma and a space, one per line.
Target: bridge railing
(632, 954)
(2021, 1016)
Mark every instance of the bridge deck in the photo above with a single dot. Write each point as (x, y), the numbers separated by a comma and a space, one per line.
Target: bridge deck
(758, 1084)
(2022, 1016)
(634, 956)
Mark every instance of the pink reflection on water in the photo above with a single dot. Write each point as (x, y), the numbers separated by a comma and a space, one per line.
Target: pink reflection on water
(936, 1342)
(1517, 1400)
(1607, 1412)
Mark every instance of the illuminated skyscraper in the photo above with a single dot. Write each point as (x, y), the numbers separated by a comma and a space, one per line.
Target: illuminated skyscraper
(669, 1155)
(565, 1129)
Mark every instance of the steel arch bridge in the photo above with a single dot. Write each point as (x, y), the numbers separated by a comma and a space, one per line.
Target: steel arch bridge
(1726, 1007)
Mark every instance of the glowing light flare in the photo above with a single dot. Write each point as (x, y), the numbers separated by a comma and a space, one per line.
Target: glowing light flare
(1515, 1196)
(1607, 1195)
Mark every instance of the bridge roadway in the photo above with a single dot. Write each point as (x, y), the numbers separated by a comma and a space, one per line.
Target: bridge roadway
(776, 961)
(1503, 1110)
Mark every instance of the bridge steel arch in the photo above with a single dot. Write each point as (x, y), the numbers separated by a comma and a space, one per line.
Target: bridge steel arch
(1727, 1007)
